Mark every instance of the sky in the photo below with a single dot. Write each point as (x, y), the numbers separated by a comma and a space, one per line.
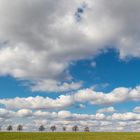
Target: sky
(69, 63)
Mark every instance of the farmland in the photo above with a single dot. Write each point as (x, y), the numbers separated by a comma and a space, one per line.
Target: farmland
(69, 136)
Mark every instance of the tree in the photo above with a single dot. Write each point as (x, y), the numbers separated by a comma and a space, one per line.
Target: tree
(86, 129)
(19, 128)
(75, 128)
(53, 128)
(64, 128)
(9, 128)
(41, 128)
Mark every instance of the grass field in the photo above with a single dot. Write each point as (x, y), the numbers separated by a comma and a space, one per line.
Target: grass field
(69, 136)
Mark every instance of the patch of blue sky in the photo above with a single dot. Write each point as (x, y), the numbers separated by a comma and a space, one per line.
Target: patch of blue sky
(109, 70)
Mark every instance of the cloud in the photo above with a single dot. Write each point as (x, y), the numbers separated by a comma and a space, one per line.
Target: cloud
(4, 113)
(52, 85)
(117, 95)
(126, 116)
(35, 48)
(137, 109)
(31, 120)
(38, 102)
(24, 113)
(64, 114)
(106, 110)
(82, 106)
(120, 94)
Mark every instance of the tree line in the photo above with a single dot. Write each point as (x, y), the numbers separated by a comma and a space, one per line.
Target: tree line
(42, 128)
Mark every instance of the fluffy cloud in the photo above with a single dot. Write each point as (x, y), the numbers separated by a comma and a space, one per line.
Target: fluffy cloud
(38, 102)
(53, 85)
(81, 106)
(31, 120)
(4, 113)
(106, 110)
(126, 116)
(24, 113)
(64, 114)
(39, 39)
(137, 109)
(117, 95)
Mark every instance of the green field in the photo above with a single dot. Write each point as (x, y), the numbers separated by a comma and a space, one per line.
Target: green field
(69, 136)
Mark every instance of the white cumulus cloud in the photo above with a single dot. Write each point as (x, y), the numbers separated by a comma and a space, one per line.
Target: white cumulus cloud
(106, 110)
(39, 39)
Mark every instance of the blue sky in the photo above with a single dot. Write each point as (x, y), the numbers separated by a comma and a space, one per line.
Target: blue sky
(109, 69)
(70, 62)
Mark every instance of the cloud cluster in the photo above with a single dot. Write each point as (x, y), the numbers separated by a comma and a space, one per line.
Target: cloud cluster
(53, 85)
(106, 110)
(120, 94)
(31, 120)
(40, 39)
(38, 102)
(137, 109)
(129, 116)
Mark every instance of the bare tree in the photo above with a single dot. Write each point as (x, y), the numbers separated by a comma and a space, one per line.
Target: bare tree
(64, 128)
(53, 128)
(41, 128)
(86, 129)
(9, 128)
(75, 128)
(19, 127)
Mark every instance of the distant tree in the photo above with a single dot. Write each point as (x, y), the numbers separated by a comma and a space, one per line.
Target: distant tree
(9, 128)
(19, 127)
(75, 128)
(86, 129)
(64, 128)
(53, 128)
(41, 128)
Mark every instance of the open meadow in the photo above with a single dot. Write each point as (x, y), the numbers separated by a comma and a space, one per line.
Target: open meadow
(69, 136)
